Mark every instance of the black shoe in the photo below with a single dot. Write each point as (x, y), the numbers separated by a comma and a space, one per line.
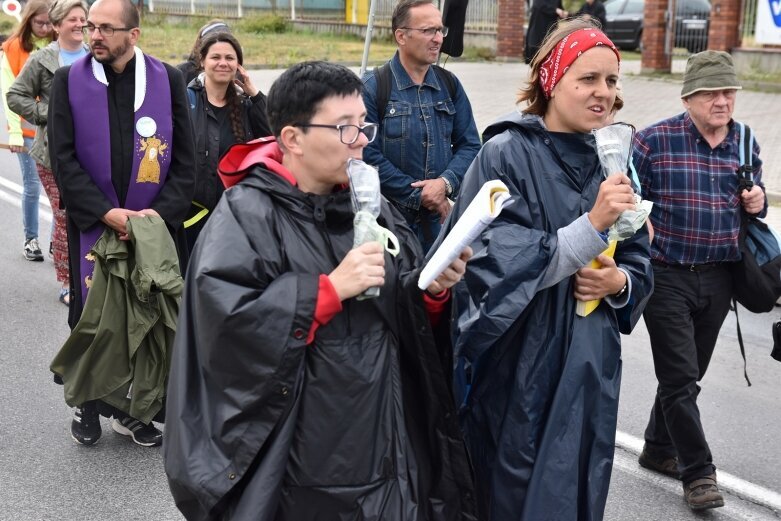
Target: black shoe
(142, 434)
(664, 465)
(32, 251)
(85, 427)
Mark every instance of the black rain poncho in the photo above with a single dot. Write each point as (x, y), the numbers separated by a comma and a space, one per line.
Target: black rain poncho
(538, 385)
(360, 424)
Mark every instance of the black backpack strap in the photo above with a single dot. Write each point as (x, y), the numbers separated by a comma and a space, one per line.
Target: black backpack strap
(446, 77)
(383, 75)
(740, 341)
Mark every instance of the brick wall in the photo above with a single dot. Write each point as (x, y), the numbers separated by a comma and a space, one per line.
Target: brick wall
(722, 33)
(654, 58)
(724, 21)
(509, 29)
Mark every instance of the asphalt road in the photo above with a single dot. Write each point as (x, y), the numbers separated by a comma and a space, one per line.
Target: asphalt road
(44, 475)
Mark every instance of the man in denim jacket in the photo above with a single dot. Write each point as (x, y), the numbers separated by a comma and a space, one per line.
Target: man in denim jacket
(427, 139)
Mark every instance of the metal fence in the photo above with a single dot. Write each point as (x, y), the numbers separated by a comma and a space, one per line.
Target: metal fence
(481, 15)
(748, 22)
(333, 9)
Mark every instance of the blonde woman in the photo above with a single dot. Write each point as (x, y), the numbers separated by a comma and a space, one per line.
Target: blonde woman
(29, 97)
(33, 32)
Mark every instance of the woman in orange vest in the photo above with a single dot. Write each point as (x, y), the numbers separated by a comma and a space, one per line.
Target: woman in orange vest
(29, 97)
(33, 32)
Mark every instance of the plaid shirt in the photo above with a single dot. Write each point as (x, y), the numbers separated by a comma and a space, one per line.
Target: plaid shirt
(696, 213)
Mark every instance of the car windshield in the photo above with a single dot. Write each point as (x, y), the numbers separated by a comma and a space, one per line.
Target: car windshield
(612, 7)
(634, 7)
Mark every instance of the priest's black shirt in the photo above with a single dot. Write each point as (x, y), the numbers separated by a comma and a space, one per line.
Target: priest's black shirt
(83, 201)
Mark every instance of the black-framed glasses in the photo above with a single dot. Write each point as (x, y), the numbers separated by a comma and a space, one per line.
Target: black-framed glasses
(41, 24)
(105, 30)
(348, 134)
(429, 32)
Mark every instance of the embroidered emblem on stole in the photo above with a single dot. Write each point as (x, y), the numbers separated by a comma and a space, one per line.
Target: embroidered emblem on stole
(152, 149)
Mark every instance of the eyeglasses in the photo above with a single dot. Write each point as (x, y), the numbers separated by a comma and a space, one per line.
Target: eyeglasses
(41, 24)
(348, 134)
(105, 30)
(429, 32)
(711, 95)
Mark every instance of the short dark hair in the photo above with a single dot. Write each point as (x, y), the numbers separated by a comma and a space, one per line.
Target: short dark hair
(295, 96)
(400, 16)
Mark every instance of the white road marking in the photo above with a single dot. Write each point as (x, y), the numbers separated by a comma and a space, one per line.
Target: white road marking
(731, 484)
(16, 198)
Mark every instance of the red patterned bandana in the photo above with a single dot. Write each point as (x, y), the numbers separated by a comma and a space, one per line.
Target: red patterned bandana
(566, 52)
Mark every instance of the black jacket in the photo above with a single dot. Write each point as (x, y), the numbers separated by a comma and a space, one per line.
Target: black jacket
(359, 424)
(84, 203)
(208, 187)
(542, 16)
(595, 10)
(189, 70)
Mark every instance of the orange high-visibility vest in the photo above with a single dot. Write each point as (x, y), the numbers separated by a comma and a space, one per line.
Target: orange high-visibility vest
(17, 57)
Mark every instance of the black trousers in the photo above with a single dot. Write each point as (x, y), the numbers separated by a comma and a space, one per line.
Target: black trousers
(683, 317)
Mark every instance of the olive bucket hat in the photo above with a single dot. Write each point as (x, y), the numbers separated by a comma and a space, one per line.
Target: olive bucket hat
(709, 70)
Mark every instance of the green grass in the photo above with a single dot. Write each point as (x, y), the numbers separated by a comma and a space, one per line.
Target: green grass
(7, 24)
(265, 42)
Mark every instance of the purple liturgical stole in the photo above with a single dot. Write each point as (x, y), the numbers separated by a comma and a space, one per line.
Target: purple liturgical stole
(153, 132)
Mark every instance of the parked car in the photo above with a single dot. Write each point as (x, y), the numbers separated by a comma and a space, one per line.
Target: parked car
(625, 23)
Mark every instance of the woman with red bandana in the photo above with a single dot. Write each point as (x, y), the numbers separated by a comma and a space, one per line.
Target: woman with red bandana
(538, 385)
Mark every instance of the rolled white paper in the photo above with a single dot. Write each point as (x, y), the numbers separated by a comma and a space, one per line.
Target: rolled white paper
(484, 208)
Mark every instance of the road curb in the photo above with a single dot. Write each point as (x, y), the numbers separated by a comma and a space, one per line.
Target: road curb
(732, 484)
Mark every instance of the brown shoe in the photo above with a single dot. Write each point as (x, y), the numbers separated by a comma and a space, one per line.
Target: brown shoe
(667, 466)
(703, 493)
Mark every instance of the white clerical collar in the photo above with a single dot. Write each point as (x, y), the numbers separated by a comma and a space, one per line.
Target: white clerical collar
(140, 91)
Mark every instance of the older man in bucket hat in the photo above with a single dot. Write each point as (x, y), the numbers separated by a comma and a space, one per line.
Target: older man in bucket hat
(687, 166)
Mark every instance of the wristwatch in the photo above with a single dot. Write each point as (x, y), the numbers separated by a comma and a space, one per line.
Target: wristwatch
(621, 291)
(448, 187)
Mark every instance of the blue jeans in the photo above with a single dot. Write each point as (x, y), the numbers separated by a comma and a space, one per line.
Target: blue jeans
(31, 191)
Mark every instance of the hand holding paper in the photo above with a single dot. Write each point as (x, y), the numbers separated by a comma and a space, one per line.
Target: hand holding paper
(453, 273)
(584, 308)
(484, 208)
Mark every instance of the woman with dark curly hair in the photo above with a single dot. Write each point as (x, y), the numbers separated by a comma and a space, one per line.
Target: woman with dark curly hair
(192, 67)
(226, 108)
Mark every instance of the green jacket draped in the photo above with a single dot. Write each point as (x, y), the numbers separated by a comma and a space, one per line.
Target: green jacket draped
(120, 350)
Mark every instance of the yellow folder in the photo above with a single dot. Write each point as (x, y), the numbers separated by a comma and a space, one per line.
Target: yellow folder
(583, 309)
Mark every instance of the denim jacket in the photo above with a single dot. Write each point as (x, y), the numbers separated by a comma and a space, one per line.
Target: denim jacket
(424, 134)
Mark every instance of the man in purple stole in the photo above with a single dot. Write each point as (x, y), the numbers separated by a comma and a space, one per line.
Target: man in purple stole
(121, 146)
